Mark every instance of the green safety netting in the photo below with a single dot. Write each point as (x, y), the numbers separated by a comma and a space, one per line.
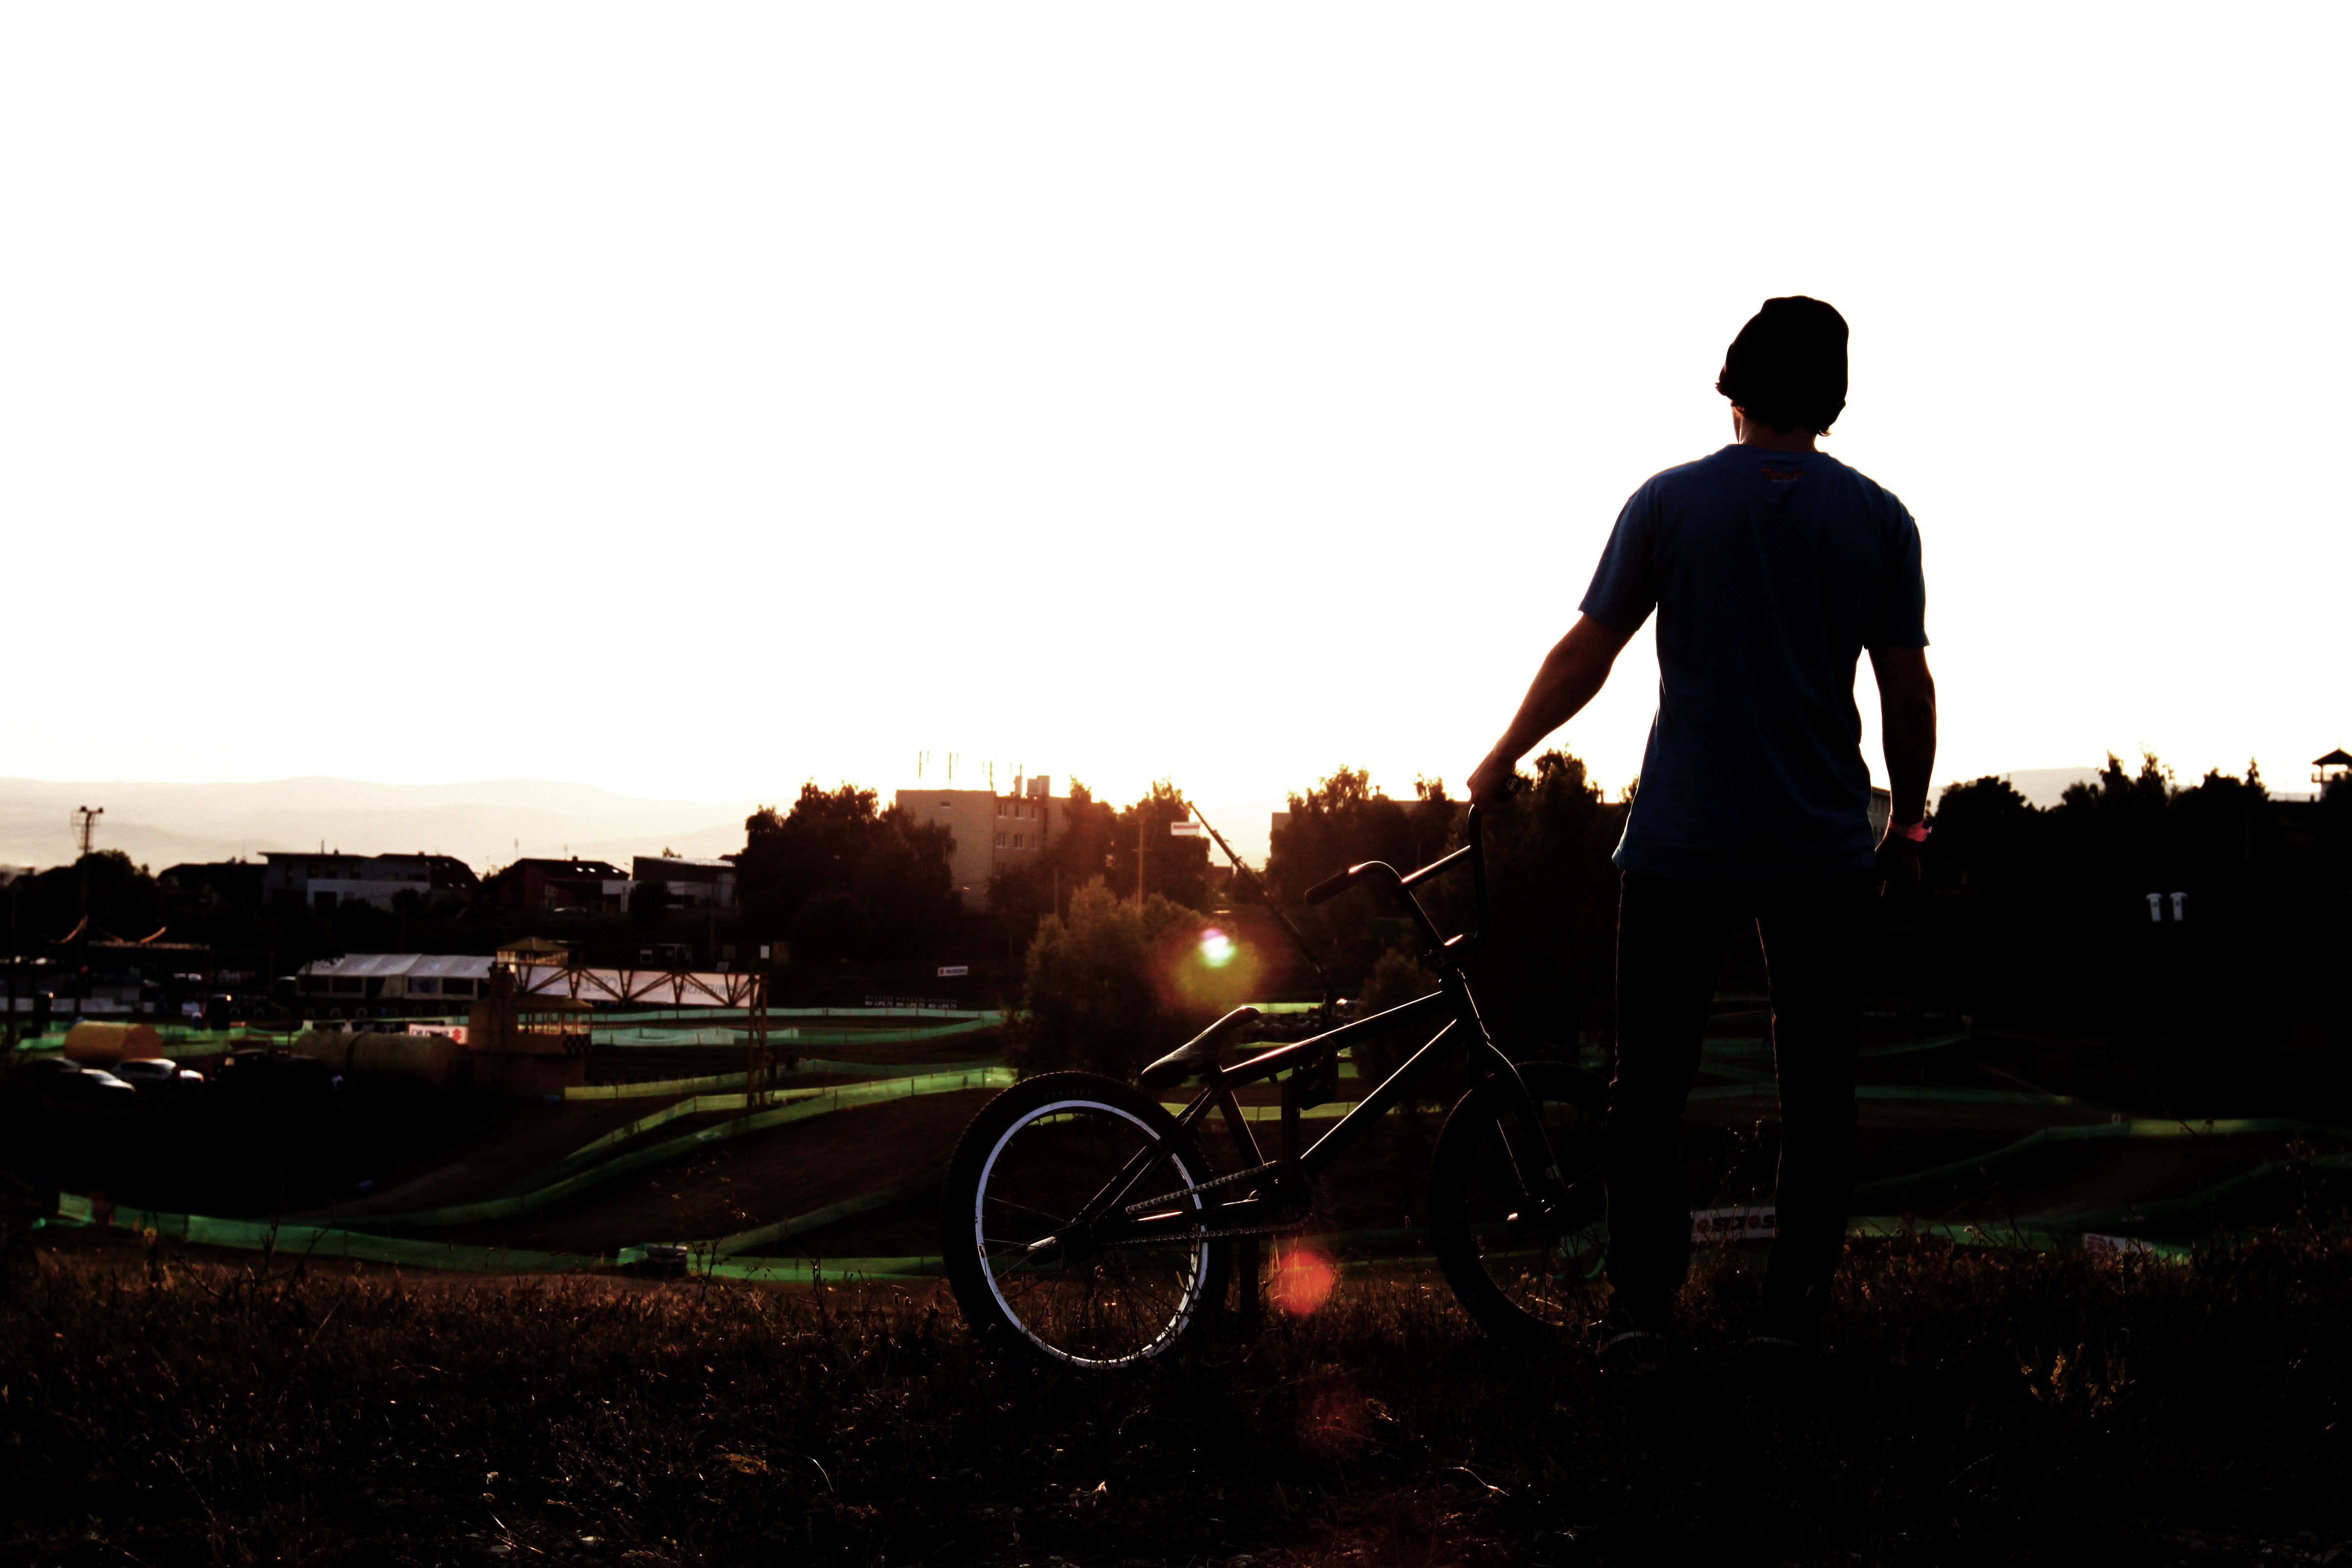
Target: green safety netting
(720, 1260)
(1718, 1060)
(2031, 1238)
(783, 1229)
(566, 1178)
(1762, 1088)
(327, 1241)
(1868, 1192)
(178, 1040)
(728, 1257)
(2154, 1210)
(638, 1036)
(655, 1088)
(1758, 1045)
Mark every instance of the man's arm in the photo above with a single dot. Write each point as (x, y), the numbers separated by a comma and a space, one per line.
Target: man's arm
(1569, 677)
(1906, 722)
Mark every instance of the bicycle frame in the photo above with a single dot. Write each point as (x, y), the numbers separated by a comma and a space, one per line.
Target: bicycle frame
(1108, 1220)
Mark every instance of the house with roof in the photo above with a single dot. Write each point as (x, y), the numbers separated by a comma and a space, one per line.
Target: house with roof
(539, 885)
(323, 881)
(691, 884)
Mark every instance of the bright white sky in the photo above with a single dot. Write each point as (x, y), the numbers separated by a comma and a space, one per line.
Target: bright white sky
(689, 401)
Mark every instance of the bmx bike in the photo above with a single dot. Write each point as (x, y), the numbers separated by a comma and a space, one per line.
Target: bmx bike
(1084, 1225)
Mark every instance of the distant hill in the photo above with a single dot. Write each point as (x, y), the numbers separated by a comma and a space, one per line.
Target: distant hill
(486, 824)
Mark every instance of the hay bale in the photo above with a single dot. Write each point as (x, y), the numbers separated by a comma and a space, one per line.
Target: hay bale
(102, 1045)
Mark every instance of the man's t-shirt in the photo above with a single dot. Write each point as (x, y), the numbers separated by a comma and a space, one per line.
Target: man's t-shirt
(1770, 572)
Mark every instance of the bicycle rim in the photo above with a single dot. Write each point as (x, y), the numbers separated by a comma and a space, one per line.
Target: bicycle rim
(1107, 1307)
(1515, 1272)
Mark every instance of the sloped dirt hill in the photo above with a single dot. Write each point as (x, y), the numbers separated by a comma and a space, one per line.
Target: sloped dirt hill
(755, 1180)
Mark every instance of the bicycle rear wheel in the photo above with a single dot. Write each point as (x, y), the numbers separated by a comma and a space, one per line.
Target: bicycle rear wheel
(1028, 1271)
(1523, 1277)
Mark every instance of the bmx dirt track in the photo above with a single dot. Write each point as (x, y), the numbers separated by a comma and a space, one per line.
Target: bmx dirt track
(750, 1181)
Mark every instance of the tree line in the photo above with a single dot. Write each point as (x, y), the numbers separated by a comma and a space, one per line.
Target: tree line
(2134, 905)
(2136, 902)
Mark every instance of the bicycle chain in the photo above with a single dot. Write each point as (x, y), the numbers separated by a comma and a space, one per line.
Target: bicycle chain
(1284, 1228)
(1205, 1186)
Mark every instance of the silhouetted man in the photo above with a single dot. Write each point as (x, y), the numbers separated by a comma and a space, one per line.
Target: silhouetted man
(1772, 566)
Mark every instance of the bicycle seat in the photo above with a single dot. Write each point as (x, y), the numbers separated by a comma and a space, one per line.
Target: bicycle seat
(1202, 1053)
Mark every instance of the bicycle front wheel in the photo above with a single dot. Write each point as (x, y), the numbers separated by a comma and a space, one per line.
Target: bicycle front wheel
(1030, 1224)
(1525, 1275)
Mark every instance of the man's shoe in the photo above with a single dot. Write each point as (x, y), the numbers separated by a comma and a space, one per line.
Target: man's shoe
(1629, 1340)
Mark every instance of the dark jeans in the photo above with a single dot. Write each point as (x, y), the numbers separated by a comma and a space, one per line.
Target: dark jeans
(1671, 936)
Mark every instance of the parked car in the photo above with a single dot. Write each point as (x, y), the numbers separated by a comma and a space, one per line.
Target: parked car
(158, 1075)
(60, 1083)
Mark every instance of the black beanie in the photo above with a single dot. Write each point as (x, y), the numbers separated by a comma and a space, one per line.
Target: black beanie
(1787, 367)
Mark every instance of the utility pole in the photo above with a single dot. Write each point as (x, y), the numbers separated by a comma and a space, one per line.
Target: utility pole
(85, 824)
(85, 827)
(758, 1068)
(13, 878)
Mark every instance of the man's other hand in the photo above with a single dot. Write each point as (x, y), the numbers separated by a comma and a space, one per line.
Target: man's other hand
(1492, 780)
(1898, 870)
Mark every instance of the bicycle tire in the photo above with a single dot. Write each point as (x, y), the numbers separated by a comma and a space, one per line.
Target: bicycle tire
(1030, 1159)
(1526, 1284)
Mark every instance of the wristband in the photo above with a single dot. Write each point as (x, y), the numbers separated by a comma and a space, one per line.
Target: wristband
(1917, 832)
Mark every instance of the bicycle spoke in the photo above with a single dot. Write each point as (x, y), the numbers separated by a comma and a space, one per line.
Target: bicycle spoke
(1524, 1251)
(1092, 1304)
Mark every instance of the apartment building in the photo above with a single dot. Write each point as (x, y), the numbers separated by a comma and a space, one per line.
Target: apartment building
(992, 832)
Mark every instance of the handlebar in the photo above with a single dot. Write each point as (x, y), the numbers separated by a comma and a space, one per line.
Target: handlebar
(1332, 886)
(1380, 871)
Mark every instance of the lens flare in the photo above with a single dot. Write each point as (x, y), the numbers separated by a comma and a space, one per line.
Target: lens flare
(1302, 1281)
(1216, 948)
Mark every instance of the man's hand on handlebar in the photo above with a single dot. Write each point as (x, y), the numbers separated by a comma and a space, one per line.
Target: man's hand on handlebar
(1494, 781)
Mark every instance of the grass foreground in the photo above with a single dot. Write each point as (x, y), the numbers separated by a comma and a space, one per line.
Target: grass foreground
(1982, 1406)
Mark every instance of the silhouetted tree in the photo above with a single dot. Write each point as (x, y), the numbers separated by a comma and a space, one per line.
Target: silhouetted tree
(124, 900)
(1342, 821)
(1091, 842)
(1173, 868)
(839, 877)
(1094, 993)
(648, 901)
(2071, 914)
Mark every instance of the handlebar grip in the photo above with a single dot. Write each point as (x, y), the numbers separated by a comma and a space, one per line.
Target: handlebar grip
(1331, 886)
